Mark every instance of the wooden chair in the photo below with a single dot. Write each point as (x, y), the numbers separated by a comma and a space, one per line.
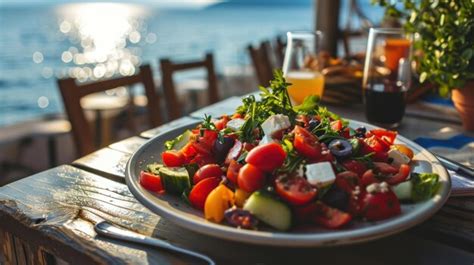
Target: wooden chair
(279, 50)
(72, 93)
(262, 62)
(348, 33)
(168, 68)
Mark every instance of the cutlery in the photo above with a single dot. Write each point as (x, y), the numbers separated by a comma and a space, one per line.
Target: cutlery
(456, 167)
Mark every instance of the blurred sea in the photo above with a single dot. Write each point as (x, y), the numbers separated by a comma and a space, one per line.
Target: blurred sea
(39, 43)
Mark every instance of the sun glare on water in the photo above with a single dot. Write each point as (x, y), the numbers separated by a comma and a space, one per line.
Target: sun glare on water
(103, 38)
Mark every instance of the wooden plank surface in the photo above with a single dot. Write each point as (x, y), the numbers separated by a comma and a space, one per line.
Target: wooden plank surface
(129, 145)
(55, 215)
(105, 162)
(165, 127)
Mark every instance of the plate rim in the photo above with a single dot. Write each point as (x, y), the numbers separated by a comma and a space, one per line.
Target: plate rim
(275, 238)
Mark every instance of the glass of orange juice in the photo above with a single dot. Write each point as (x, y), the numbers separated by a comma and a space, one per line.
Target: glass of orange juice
(301, 66)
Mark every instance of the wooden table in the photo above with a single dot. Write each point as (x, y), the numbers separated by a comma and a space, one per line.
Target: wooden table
(44, 218)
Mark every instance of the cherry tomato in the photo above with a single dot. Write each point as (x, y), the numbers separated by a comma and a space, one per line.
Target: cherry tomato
(355, 166)
(295, 190)
(403, 149)
(219, 200)
(329, 217)
(233, 171)
(250, 178)
(373, 144)
(379, 205)
(234, 152)
(347, 181)
(222, 122)
(326, 155)
(199, 193)
(237, 116)
(304, 213)
(336, 125)
(385, 135)
(267, 157)
(203, 159)
(346, 133)
(368, 178)
(306, 143)
(248, 146)
(189, 152)
(151, 181)
(207, 171)
(173, 158)
(204, 143)
(402, 175)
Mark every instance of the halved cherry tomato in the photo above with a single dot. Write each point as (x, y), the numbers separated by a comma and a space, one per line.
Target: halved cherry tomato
(402, 175)
(250, 178)
(326, 155)
(267, 157)
(329, 217)
(219, 200)
(237, 116)
(346, 133)
(234, 152)
(304, 213)
(336, 125)
(385, 135)
(203, 159)
(347, 181)
(233, 171)
(403, 149)
(373, 144)
(173, 158)
(295, 190)
(379, 205)
(151, 181)
(222, 122)
(368, 178)
(248, 146)
(207, 171)
(355, 166)
(306, 143)
(189, 152)
(198, 195)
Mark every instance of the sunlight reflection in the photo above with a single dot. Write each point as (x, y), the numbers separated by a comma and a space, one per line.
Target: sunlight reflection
(105, 33)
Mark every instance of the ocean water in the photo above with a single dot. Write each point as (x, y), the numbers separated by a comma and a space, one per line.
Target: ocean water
(90, 41)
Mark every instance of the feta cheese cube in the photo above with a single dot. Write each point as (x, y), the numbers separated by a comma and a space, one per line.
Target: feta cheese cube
(235, 124)
(320, 174)
(275, 123)
(398, 157)
(265, 140)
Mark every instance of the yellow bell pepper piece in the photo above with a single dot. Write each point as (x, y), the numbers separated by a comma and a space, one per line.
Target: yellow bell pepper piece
(220, 199)
(240, 197)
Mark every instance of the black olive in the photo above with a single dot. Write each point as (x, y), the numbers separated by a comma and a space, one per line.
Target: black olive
(336, 198)
(313, 123)
(340, 148)
(360, 132)
(220, 149)
(240, 218)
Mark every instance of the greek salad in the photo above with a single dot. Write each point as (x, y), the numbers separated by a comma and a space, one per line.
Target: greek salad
(278, 165)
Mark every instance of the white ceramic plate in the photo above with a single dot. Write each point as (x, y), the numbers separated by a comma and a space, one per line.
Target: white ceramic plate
(176, 210)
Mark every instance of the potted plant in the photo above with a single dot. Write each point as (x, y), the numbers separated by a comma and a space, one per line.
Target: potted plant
(445, 30)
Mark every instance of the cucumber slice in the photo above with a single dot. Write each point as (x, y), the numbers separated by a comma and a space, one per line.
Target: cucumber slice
(403, 190)
(175, 179)
(179, 142)
(269, 210)
(154, 168)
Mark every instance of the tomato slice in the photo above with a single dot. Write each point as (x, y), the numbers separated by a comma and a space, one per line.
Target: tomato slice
(295, 190)
(355, 166)
(368, 178)
(173, 158)
(233, 171)
(379, 205)
(329, 217)
(385, 135)
(198, 195)
(151, 181)
(203, 159)
(267, 157)
(402, 175)
(385, 168)
(373, 145)
(306, 143)
(250, 178)
(222, 122)
(234, 152)
(336, 125)
(347, 181)
(207, 171)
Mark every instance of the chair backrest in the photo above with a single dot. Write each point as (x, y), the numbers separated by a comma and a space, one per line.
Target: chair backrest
(279, 50)
(168, 68)
(262, 62)
(72, 93)
(347, 32)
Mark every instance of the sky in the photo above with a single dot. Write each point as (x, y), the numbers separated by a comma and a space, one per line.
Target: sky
(175, 3)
